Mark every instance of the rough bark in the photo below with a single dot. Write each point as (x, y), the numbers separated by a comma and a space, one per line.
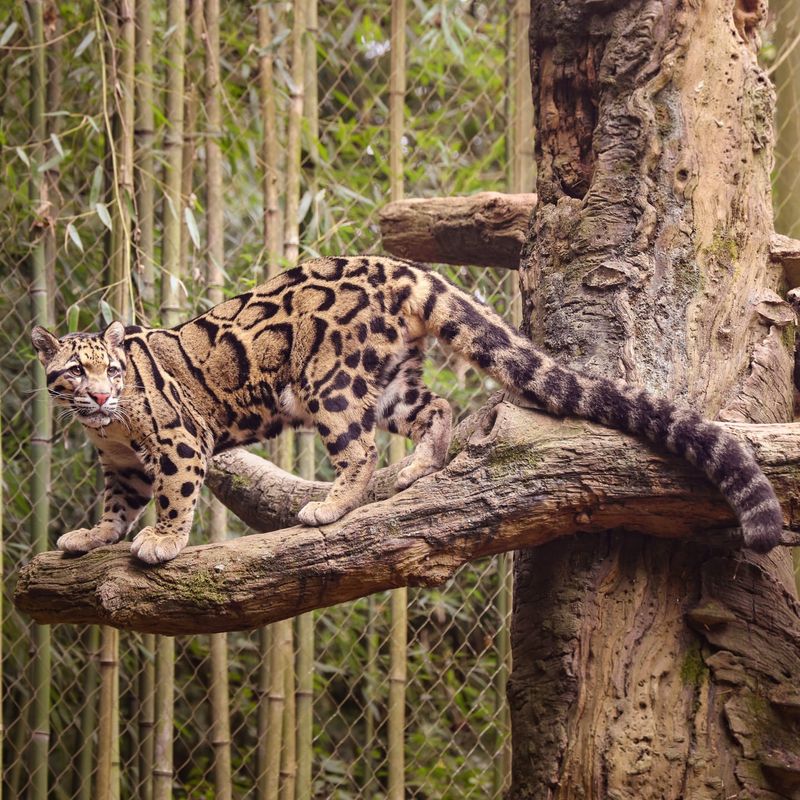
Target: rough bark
(485, 229)
(647, 258)
(517, 478)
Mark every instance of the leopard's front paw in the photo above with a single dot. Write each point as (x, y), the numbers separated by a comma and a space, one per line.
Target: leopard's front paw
(84, 539)
(321, 513)
(153, 547)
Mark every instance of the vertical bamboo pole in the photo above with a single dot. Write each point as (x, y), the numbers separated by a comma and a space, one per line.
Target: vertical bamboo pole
(398, 631)
(263, 746)
(88, 720)
(170, 311)
(144, 164)
(288, 767)
(119, 136)
(147, 697)
(305, 622)
(123, 47)
(42, 422)
(173, 151)
(53, 46)
(164, 700)
(276, 699)
(270, 704)
(273, 237)
(193, 81)
(291, 250)
(219, 692)
(108, 720)
(371, 680)
(291, 225)
(145, 271)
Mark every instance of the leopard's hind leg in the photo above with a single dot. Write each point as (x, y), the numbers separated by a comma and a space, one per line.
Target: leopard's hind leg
(409, 408)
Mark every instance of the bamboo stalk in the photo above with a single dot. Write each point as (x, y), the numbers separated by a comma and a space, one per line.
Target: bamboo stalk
(305, 622)
(193, 81)
(273, 235)
(145, 271)
(41, 436)
(164, 700)
(123, 52)
(398, 659)
(144, 164)
(398, 647)
(288, 770)
(170, 315)
(371, 697)
(271, 683)
(53, 45)
(173, 152)
(291, 224)
(262, 693)
(219, 690)
(88, 722)
(108, 719)
(276, 699)
(120, 28)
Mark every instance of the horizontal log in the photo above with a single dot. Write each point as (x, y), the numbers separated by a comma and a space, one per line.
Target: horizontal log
(486, 229)
(517, 478)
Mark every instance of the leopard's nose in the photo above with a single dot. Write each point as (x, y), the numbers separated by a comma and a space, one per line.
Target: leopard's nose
(99, 398)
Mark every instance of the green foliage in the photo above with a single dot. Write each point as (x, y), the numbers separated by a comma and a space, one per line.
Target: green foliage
(454, 143)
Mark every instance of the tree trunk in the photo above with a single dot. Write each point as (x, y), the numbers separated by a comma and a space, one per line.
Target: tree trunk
(646, 259)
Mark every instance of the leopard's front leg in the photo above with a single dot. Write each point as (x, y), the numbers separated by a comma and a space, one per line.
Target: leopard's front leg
(128, 489)
(180, 469)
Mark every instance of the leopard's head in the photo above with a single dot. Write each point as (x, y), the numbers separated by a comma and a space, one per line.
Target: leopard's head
(85, 371)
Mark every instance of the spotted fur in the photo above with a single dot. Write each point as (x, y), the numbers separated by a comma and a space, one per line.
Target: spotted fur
(336, 344)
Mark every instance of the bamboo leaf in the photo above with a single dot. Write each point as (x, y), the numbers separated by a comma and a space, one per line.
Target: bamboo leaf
(106, 312)
(97, 185)
(73, 315)
(191, 224)
(85, 42)
(102, 212)
(57, 144)
(8, 33)
(23, 156)
(73, 234)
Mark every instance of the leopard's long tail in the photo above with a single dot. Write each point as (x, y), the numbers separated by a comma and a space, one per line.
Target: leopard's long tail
(478, 333)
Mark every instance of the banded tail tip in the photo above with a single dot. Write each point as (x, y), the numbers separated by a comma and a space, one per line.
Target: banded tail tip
(764, 530)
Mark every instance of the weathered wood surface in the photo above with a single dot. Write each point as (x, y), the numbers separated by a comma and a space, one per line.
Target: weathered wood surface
(517, 478)
(486, 229)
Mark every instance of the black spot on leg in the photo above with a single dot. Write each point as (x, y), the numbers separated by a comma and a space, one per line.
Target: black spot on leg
(187, 489)
(167, 465)
(163, 501)
(337, 402)
(353, 359)
(360, 387)
(184, 451)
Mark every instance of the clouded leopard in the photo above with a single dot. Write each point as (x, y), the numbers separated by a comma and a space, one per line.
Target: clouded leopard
(336, 343)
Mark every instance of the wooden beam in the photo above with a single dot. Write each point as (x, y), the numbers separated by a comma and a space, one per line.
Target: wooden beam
(485, 229)
(517, 478)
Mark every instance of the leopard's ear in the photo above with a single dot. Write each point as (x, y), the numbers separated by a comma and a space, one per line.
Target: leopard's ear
(45, 343)
(114, 334)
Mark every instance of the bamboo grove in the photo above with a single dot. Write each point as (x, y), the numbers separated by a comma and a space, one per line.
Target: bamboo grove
(158, 156)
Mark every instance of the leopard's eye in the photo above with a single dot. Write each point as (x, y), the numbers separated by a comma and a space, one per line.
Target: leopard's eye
(113, 372)
(76, 371)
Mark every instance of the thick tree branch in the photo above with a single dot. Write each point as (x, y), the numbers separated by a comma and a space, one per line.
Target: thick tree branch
(517, 478)
(485, 229)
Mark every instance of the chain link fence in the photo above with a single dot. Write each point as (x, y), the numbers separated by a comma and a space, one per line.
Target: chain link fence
(60, 162)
